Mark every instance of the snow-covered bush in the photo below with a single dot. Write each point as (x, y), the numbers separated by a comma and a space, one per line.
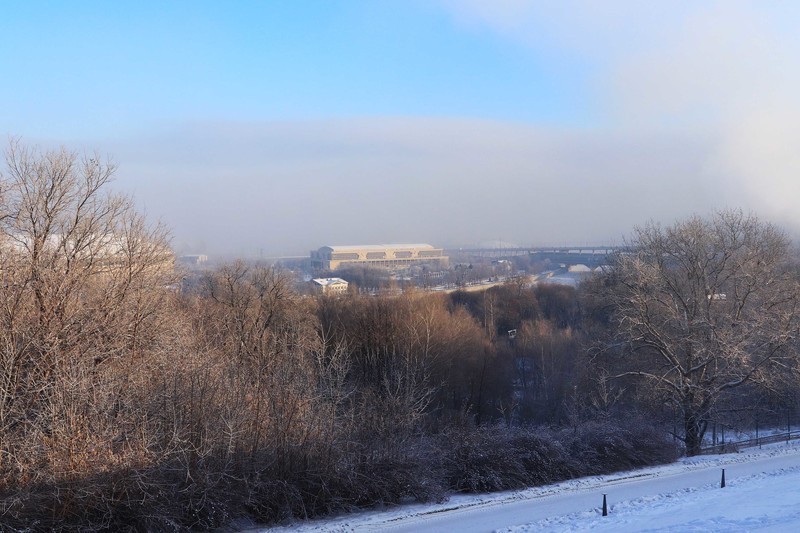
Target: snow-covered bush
(604, 447)
(494, 458)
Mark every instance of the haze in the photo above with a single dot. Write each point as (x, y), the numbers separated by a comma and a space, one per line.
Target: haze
(277, 127)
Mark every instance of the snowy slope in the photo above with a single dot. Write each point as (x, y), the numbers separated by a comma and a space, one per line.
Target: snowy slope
(762, 493)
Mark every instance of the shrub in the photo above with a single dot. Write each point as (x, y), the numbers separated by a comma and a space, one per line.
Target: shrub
(605, 447)
(499, 458)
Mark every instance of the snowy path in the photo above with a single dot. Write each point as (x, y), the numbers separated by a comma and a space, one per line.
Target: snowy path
(762, 493)
(501, 515)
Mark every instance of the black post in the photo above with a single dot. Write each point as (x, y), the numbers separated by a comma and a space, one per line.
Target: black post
(722, 484)
(758, 441)
(605, 507)
(788, 425)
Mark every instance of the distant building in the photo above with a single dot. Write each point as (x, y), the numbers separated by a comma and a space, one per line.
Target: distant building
(330, 285)
(193, 259)
(330, 258)
(109, 254)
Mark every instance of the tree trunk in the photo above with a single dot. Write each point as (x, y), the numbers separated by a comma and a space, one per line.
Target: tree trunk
(694, 430)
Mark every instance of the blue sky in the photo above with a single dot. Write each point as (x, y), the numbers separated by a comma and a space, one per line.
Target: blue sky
(88, 68)
(286, 125)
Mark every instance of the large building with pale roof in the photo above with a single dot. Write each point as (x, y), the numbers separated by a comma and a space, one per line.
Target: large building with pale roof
(330, 258)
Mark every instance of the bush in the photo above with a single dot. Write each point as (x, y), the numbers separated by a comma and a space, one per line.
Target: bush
(498, 458)
(604, 447)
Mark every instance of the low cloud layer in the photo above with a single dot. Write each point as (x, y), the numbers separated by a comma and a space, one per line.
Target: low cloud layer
(287, 187)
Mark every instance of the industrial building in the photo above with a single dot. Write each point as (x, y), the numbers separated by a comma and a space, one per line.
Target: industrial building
(329, 258)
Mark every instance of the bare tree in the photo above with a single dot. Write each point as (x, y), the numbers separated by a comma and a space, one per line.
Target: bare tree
(82, 274)
(252, 300)
(703, 307)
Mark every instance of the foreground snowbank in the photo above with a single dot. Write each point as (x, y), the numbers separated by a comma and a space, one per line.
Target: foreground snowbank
(763, 502)
(760, 494)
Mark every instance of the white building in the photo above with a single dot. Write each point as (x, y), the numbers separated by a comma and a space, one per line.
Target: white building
(330, 285)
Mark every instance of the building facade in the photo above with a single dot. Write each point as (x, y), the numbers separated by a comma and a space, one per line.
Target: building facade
(329, 258)
(330, 286)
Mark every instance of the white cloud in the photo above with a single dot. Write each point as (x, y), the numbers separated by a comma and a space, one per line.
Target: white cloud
(599, 29)
(723, 71)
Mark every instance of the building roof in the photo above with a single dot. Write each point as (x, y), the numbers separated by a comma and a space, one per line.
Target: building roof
(325, 282)
(378, 247)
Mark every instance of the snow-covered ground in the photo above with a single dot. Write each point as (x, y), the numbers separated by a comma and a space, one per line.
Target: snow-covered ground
(762, 493)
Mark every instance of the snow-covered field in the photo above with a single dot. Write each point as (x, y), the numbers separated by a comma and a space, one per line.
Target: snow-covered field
(762, 493)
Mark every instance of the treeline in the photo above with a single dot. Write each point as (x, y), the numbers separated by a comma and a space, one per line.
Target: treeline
(244, 399)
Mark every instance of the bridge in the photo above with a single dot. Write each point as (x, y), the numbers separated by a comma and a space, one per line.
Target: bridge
(591, 256)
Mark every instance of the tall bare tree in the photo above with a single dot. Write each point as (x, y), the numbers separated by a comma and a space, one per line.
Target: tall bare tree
(81, 273)
(703, 307)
